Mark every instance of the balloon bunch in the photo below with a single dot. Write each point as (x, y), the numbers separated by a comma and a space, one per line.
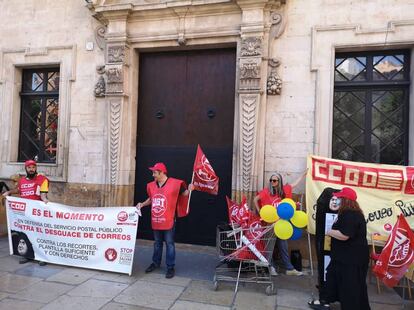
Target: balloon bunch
(287, 219)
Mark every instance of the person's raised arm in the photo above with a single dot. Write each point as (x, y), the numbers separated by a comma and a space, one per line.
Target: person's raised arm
(11, 192)
(301, 177)
(188, 191)
(256, 203)
(43, 197)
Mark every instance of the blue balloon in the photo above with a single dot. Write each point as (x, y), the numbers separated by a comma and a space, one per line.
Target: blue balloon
(285, 210)
(297, 233)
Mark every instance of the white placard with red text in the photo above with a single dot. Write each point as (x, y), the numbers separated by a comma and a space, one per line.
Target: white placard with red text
(95, 238)
(384, 191)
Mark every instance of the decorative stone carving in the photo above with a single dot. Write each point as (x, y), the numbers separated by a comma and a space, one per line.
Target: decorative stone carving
(251, 46)
(115, 75)
(116, 54)
(250, 73)
(248, 126)
(249, 69)
(114, 88)
(100, 37)
(99, 90)
(274, 82)
(278, 25)
(115, 129)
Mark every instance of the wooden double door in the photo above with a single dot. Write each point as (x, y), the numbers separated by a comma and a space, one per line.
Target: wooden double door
(187, 98)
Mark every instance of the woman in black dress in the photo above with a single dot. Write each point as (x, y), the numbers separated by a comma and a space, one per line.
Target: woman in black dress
(347, 271)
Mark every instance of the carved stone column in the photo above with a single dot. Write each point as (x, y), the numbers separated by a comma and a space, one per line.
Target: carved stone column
(253, 61)
(249, 103)
(117, 61)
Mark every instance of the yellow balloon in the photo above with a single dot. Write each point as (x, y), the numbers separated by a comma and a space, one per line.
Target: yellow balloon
(290, 201)
(299, 219)
(268, 214)
(283, 229)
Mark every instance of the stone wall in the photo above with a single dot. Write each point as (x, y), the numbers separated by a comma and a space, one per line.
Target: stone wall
(298, 122)
(40, 33)
(292, 41)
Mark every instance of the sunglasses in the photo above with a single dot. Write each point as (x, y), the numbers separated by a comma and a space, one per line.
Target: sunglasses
(274, 180)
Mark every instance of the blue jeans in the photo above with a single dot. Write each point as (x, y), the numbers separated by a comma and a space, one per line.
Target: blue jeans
(284, 255)
(168, 237)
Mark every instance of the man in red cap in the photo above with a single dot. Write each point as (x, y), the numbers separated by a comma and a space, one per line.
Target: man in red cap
(165, 195)
(34, 186)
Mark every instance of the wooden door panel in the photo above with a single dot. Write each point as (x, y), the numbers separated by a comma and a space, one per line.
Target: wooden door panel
(177, 90)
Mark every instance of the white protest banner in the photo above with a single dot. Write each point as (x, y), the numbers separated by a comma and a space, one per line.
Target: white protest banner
(384, 191)
(95, 238)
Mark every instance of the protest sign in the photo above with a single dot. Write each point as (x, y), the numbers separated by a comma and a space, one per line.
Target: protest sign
(384, 191)
(96, 238)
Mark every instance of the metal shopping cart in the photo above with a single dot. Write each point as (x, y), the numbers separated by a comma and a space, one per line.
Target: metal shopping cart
(245, 256)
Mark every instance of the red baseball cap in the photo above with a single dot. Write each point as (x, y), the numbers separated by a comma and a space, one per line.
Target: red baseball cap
(30, 162)
(159, 167)
(346, 192)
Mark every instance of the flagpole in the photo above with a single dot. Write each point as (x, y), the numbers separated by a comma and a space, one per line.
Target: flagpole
(189, 195)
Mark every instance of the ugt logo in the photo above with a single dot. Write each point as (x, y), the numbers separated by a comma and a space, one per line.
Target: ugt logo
(159, 205)
(401, 252)
(206, 173)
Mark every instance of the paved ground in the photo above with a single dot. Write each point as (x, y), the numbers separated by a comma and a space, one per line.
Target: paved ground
(30, 286)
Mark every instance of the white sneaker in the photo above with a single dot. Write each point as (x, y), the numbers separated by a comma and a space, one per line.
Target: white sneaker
(294, 272)
(273, 271)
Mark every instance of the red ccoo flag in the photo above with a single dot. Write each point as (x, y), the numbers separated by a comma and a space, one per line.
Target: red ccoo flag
(397, 255)
(205, 179)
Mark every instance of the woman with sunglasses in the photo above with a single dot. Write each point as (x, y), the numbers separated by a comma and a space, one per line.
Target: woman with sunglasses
(272, 195)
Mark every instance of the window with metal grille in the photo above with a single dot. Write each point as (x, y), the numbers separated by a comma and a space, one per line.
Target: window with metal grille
(39, 115)
(370, 112)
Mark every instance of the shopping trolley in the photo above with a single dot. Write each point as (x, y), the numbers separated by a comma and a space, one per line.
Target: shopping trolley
(245, 256)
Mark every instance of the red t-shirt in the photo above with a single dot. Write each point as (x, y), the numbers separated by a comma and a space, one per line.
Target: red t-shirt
(267, 199)
(31, 188)
(164, 201)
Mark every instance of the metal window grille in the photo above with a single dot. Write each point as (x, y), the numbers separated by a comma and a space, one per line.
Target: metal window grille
(370, 112)
(39, 115)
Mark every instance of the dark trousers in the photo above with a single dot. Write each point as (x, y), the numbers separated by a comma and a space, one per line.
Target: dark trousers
(159, 237)
(346, 283)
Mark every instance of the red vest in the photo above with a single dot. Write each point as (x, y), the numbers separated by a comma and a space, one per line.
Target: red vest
(31, 188)
(164, 202)
(267, 199)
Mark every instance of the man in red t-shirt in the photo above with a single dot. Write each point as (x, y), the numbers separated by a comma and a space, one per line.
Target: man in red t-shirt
(34, 186)
(164, 195)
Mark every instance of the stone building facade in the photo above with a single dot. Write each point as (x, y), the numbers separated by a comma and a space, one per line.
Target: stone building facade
(284, 90)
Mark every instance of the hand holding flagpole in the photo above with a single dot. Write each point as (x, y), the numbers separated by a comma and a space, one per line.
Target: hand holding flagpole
(189, 195)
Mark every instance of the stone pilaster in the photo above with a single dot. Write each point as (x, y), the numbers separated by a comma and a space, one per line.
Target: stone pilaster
(117, 62)
(253, 59)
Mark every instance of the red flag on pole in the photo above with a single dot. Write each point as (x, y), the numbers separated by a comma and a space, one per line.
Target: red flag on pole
(397, 255)
(237, 213)
(205, 179)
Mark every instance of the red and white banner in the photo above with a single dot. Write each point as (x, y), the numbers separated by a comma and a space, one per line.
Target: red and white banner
(397, 255)
(384, 191)
(205, 179)
(95, 238)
